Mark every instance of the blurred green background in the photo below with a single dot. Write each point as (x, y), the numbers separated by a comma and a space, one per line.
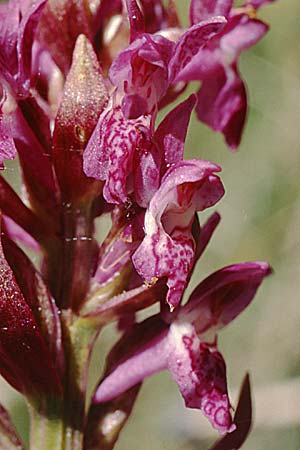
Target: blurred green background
(260, 221)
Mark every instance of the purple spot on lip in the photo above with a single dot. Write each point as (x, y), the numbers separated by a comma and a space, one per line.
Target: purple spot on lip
(187, 341)
(222, 416)
(208, 408)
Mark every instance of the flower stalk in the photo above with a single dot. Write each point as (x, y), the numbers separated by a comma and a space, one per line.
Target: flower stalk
(46, 425)
(79, 341)
(71, 258)
(81, 85)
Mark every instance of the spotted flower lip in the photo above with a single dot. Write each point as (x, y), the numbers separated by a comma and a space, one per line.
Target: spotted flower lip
(168, 247)
(187, 345)
(109, 153)
(129, 154)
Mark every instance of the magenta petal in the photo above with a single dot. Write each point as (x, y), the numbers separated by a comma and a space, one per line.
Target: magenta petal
(204, 9)
(258, 3)
(139, 354)
(17, 233)
(240, 34)
(133, 105)
(154, 13)
(171, 133)
(214, 45)
(133, 370)
(136, 19)
(188, 46)
(12, 206)
(168, 247)
(25, 40)
(222, 296)
(222, 104)
(126, 303)
(200, 372)
(161, 256)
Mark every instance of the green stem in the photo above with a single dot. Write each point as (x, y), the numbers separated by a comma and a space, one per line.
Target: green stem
(80, 337)
(46, 426)
(59, 424)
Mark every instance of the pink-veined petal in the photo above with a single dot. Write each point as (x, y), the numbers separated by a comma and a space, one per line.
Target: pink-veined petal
(141, 73)
(189, 45)
(222, 296)
(222, 101)
(157, 153)
(204, 9)
(108, 155)
(147, 162)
